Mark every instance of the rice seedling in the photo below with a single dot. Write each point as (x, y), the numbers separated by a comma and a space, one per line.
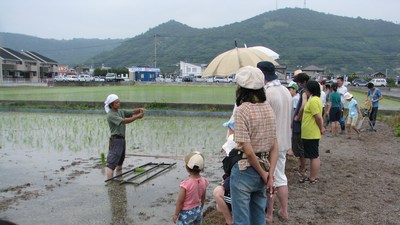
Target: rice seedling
(88, 134)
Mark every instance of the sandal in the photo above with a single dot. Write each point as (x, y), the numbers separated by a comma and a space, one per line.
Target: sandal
(306, 179)
(313, 181)
(302, 173)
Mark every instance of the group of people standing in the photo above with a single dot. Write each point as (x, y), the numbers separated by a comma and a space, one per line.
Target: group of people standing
(336, 96)
(269, 120)
(273, 119)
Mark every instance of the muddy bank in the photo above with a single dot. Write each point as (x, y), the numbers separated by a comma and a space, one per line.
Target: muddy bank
(45, 183)
(359, 183)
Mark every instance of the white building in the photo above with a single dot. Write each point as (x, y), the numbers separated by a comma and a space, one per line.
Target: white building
(190, 69)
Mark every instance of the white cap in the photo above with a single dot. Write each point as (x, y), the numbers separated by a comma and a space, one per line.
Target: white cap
(110, 99)
(250, 77)
(194, 159)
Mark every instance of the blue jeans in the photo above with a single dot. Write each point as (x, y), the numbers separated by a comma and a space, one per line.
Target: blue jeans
(372, 116)
(248, 193)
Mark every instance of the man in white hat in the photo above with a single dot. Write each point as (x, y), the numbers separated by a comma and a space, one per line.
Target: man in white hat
(280, 100)
(117, 119)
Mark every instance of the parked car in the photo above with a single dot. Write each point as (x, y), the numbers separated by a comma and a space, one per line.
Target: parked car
(359, 82)
(219, 79)
(187, 79)
(72, 78)
(210, 79)
(379, 82)
(60, 78)
(97, 78)
(111, 77)
(82, 78)
(199, 79)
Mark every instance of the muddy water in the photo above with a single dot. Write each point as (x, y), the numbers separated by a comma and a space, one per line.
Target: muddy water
(50, 170)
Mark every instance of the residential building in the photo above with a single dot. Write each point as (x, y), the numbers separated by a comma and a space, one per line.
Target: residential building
(25, 66)
(190, 69)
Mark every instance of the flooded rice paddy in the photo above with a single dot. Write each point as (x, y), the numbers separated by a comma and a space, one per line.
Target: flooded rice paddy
(51, 171)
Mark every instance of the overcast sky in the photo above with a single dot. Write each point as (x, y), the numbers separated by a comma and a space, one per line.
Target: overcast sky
(67, 19)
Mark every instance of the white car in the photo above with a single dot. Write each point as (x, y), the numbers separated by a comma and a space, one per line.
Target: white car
(199, 79)
(219, 79)
(60, 78)
(111, 77)
(99, 79)
(72, 78)
(81, 78)
(379, 82)
(209, 79)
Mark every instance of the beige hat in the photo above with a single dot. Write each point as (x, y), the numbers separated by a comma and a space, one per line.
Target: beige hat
(297, 72)
(347, 95)
(194, 159)
(250, 77)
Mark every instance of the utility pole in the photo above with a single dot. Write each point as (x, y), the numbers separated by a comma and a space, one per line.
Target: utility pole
(305, 3)
(155, 50)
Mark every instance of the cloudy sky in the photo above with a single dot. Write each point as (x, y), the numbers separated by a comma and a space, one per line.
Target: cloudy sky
(66, 19)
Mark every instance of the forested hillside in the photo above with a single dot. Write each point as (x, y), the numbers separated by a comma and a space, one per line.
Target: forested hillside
(302, 37)
(72, 52)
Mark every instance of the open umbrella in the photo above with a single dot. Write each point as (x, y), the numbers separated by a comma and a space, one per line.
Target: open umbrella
(231, 61)
(267, 51)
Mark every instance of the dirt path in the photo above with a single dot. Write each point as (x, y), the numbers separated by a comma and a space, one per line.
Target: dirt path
(359, 183)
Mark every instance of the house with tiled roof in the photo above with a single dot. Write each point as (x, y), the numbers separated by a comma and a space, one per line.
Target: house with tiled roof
(377, 75)
(25, 66)
(313, 71)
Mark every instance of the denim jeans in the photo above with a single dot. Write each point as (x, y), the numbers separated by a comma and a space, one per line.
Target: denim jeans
(248, 195)
(372, 116)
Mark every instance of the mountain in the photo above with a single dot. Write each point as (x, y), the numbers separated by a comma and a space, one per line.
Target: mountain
(70, 52)
(302, 37)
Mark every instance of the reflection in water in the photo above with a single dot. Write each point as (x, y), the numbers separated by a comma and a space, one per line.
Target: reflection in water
(118, 202)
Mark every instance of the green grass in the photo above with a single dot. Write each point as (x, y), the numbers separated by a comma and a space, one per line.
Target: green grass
(151, 94)
(154, 95)
(386, 103)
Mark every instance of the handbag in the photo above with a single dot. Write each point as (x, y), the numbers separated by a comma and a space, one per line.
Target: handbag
(368, 103)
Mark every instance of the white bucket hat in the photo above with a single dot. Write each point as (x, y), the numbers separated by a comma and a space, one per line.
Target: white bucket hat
(347, 95)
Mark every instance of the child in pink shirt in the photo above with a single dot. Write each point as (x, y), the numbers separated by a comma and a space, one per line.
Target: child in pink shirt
(192, 192)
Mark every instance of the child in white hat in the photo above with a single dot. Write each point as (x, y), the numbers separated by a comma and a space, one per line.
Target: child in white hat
(192, 192)
(353, 114)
